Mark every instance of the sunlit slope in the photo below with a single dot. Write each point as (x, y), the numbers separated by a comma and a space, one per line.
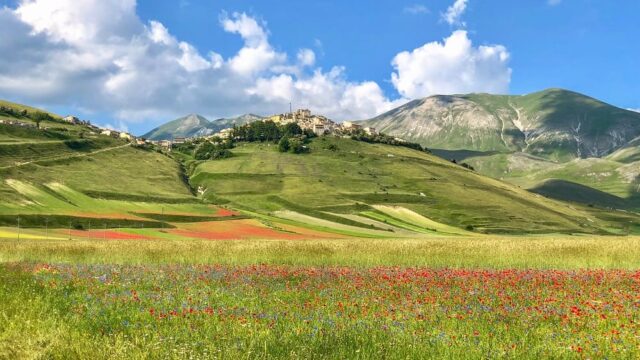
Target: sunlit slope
(358, 176)
(119, 173)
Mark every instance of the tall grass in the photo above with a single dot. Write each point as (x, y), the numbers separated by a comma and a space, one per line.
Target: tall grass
(544, 252)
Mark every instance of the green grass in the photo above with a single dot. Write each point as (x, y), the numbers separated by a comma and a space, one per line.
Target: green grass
(349, 298)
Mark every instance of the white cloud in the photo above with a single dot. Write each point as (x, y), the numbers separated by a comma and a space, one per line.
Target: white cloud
(326, 92)
(635, 110)
(454, 13)
(99, 57)
(554, 2)
(452, 66)
(257, 54)
(306, 57)
(416, 9)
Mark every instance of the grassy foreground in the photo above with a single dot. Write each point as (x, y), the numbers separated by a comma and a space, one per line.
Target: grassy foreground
(483, 297)
(492, 252)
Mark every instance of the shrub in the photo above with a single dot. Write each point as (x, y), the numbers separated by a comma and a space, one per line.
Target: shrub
(210, 151)
(283, 144)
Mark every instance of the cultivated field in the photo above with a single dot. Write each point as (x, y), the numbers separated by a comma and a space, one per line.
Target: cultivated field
(464, 297)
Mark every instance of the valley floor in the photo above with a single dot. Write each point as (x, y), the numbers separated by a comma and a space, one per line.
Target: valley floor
(439, 297)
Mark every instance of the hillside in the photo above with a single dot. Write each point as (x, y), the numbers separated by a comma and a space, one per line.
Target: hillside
(360, 182)
(538, 141)
(196, 125)
(68, 174)
(19, 108)
(555, 124)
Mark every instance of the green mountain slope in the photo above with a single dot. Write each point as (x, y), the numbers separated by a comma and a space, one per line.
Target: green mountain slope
(555, 123)
(196, 125)
(358, 179)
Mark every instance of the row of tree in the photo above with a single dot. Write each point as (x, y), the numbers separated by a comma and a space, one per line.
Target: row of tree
(268, 131)
(386, 139)
(37, 116)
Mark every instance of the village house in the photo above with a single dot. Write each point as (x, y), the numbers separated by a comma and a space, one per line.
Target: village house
(112, 133)
(348, 125)
(319, 129)
(179, 140)
(71, 119)
(224, 133)
(370, 131)
(126, 136)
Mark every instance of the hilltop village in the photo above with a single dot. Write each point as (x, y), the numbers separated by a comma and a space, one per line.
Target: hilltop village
(317, 124)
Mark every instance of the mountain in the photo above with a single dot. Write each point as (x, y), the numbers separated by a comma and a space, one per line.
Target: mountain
(224, 123)
(555, 124)
(196, 125)
(186, 126)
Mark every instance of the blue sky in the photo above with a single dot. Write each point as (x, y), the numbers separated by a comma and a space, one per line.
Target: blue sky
(352, 49)
(587, 46)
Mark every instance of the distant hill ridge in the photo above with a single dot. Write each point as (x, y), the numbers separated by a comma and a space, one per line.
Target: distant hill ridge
(196, 125)
(554, 123)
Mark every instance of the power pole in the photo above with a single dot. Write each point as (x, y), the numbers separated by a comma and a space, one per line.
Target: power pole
(290, 108)
(69, 230)
(18, 228)
(46, 228)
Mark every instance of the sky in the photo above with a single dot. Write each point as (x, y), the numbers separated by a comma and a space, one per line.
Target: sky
(132, 65)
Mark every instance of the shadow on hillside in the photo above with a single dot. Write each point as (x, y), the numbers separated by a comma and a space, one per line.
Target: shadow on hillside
(461, 155)
(582, 194)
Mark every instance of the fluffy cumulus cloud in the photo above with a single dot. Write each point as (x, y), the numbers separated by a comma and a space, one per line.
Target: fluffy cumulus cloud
(99, 56)
(452, 66)
(453, 15)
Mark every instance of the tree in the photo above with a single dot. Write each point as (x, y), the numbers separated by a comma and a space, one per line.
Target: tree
(283, 145)
(210, 151)
(40, 116)
(291, 129)
(296, 146)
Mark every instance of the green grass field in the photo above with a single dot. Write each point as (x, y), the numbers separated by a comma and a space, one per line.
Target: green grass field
(356, 298)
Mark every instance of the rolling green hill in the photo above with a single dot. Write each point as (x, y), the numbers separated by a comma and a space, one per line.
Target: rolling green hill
(70, 170)
(366, 181)
(342, 187)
